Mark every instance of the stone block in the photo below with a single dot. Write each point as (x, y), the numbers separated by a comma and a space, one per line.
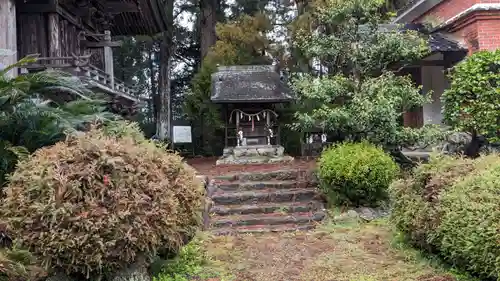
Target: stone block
(253, 154)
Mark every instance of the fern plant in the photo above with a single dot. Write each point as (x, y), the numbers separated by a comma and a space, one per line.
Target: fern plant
(33, 112)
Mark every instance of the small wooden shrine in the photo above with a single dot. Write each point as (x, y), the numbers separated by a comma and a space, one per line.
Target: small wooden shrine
(75, 36)
(249, 96)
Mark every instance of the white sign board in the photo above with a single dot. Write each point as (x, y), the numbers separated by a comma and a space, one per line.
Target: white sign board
(7, 52)
(182, 134)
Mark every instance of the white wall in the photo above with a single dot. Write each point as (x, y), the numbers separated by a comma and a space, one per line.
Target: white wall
(433, 79)
(8, 40)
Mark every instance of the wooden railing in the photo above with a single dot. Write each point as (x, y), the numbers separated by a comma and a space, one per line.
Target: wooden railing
(80, 66)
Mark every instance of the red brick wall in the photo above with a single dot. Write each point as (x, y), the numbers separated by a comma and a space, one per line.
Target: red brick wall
(479, 31)
(489, 33)
(448, 9)
(470, 35)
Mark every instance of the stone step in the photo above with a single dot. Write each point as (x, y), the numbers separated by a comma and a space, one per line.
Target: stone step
(254, 160)
(264, 208)
(418, 156)
(280, 175)
(262, 185)
(254, 197)
(254, 229)
(266, 219)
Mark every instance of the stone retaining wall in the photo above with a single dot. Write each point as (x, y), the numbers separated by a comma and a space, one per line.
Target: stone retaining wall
(207, 204)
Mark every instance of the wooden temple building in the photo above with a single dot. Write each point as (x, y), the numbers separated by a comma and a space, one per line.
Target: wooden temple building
(249, 96)
(75, 36)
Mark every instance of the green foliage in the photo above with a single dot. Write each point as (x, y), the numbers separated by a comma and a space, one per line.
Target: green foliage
(452, 207)
(191, 263)
(356, 174)
(109, 200)
(372, 113)
(352, 41)
(124, 129)
(358, 98)
(18, 265)
(9, 157)
(28, 123)
(204, 115)
(472, 103)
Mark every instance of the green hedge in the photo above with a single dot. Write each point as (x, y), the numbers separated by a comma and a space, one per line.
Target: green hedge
(452, 207)
(356, 174)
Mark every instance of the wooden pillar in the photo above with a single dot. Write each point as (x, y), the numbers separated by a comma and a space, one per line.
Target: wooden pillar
(268, 125)
(108, 59)
(54, 31)
(163, 124)
(8, 35)
(413, 118)
(225, 111)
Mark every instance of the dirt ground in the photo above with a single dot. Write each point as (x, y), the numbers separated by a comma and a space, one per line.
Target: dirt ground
(206, 166)
(355, 252)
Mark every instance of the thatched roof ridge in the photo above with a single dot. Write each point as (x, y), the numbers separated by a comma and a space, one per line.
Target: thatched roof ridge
(250, 83)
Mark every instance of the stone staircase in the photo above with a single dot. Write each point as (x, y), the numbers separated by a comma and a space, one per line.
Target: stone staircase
(256, 202)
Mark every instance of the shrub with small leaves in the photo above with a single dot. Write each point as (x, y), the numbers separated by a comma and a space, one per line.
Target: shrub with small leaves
(356, 174)
(452, 207)
(472, 103)
(95, 204)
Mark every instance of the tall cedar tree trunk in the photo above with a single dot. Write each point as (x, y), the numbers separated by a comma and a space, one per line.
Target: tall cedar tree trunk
(304, 64)
(208, 21)
(154, 90)
(166, 52)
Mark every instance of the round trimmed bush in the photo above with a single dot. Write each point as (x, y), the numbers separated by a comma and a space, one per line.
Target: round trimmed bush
(452, 207)
(469, 232)
(97, 203)
(356, 174)
(415, 200)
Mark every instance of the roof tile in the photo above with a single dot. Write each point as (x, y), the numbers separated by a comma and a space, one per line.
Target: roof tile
(252, 83)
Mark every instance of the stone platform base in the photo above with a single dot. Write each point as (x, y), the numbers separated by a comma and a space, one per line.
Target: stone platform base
(253, 154)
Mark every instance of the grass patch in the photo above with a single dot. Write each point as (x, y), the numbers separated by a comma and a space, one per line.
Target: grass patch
(192, 263)
(349, 251)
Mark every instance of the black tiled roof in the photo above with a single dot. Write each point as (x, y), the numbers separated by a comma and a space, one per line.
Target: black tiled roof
(252, 83)
(439, 43)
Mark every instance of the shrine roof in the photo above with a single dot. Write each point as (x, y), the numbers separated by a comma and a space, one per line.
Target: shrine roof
(126, 17)
(148, 20)
(249, 83)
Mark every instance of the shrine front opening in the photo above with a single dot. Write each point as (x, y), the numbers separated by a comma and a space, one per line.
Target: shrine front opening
(252, 126)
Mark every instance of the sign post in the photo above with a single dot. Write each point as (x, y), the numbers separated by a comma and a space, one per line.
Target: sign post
(181, 135)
